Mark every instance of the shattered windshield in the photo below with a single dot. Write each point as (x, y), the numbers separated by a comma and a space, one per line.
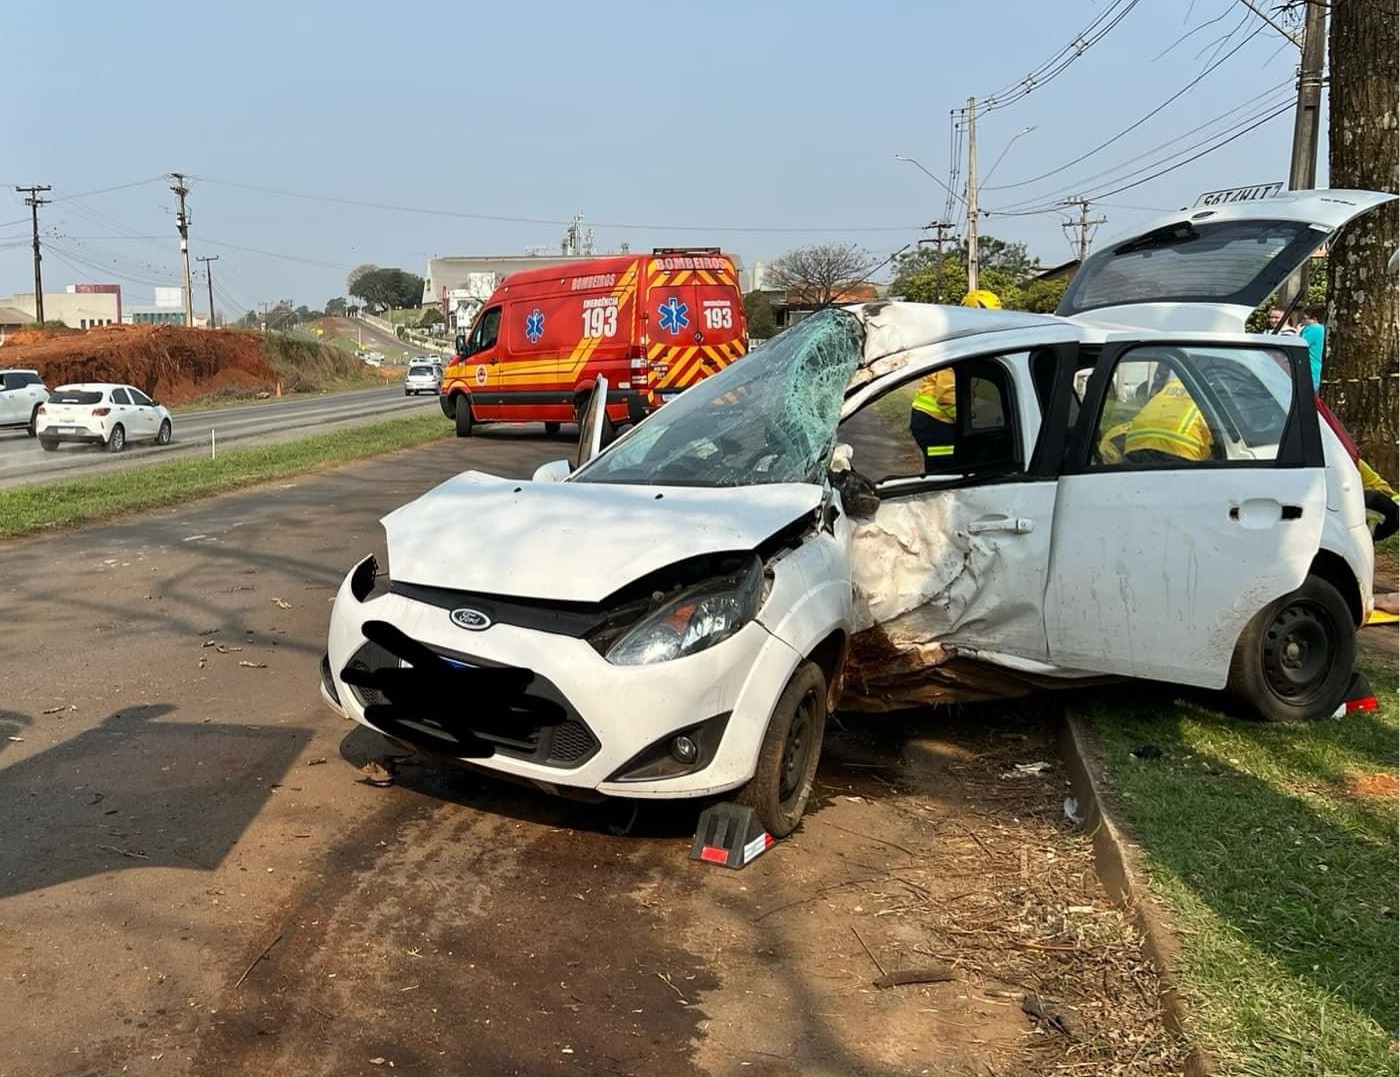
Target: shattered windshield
(768, 418)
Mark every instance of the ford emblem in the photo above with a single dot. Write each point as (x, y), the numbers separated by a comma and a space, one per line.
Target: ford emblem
(470, 619)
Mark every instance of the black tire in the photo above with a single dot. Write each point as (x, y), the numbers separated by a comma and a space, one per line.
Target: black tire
(117, 442)
(1293, 662)
(163, 434)
(552, 428)
(787, 758)
(463, 415)
(408, 392)
(33, 428)
(48, 444)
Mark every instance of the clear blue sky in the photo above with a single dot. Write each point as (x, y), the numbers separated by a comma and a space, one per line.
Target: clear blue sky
(757, 126)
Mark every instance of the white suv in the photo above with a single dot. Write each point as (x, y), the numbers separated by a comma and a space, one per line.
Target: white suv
(21, 393)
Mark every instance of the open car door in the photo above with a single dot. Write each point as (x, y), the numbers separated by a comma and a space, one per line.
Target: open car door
(1207, 268)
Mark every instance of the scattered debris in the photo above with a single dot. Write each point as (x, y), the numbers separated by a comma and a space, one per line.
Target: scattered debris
(253, 665)
(282, 603)
(1147, 751)
(17, 740)
(123, 852)
(1053, 1017)
(376, 773)
(265, 951)
(1072, 811)
(932, 974)
(1028, 770)
(56, 710)
(316, 762)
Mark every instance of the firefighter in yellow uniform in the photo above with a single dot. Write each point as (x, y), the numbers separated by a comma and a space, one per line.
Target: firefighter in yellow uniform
(933, 417)
(1169, 429)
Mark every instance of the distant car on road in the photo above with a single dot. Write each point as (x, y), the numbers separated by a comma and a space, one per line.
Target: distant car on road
(422, 377)
(99, 413)
(21, 393)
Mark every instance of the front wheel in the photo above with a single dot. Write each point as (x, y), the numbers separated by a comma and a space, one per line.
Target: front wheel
(463, 416)
(117, 442)
(787, 758)
(1294, 660)
(163, 436)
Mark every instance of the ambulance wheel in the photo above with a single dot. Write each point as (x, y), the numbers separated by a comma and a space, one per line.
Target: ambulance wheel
(552, 428)
(463, 415)
(787, 758)
(1294, 660)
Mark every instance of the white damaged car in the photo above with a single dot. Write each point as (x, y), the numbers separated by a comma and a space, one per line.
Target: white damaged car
(678, 616)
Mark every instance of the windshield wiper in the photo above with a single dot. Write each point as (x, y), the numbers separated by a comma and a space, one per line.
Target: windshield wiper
(1170, 236)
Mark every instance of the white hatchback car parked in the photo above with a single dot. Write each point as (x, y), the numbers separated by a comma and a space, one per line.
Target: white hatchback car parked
(678, 616)
(98, 413)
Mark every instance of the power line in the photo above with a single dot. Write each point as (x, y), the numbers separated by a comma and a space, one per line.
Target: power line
(1090, 36)
(433, 212)
(1138, 123)
(1114, 173)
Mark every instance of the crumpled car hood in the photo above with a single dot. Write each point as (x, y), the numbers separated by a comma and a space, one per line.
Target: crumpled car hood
(575, 542)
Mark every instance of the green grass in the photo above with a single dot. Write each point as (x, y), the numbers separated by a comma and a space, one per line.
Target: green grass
(1280, 878)
(46, 506)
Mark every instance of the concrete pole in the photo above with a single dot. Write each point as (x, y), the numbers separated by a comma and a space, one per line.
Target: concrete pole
(972, 259)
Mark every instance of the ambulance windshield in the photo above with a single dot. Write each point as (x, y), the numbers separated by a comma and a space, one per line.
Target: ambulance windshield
(768, 418)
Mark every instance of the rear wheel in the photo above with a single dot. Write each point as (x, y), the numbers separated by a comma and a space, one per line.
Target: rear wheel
(117, 442)
(163, 435)
(463, 415)
(48, 444)
(33, 428)
(1294, 661)
(787, 758)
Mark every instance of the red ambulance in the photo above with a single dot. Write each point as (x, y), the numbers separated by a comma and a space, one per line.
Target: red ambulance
(652, 324)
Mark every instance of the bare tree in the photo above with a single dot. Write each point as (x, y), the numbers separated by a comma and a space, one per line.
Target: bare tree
(820, 273)
(1362, 370)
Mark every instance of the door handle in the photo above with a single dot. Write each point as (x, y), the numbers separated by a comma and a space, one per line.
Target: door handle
(1015, 525)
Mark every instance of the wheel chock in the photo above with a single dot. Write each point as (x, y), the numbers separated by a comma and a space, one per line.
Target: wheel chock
(1359, 697)
(729, 835)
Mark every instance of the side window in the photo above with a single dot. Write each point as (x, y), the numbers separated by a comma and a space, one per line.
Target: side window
(958, 422)
(12, 381)
(486, 331)
(119, 397)
(139, 398)
(1193, 406)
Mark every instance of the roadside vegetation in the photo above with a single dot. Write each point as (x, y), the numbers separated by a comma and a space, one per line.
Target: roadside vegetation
(40, 507)
(1274, 848)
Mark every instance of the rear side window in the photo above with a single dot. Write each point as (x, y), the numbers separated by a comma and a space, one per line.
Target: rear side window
(75, 396)
(119, 397)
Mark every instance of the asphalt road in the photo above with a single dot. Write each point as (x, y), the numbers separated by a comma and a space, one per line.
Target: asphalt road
(194, 881)
(22, 460)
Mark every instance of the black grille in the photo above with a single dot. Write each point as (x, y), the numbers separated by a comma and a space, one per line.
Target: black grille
(565, 742)
(571, 742)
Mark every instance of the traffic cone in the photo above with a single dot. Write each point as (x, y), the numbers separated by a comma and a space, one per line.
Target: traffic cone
(279, 388)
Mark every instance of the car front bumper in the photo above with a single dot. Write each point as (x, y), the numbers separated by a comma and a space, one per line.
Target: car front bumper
(612, 715)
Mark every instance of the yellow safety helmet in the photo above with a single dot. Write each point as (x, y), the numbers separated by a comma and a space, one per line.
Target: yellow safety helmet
(982, 298)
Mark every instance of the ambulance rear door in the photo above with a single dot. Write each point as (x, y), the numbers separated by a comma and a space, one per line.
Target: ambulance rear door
(694, 318)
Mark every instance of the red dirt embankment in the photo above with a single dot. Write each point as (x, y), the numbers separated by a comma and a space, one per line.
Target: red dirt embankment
(171, 363)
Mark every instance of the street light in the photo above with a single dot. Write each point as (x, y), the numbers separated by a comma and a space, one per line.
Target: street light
(1018, 134)
(930, 175)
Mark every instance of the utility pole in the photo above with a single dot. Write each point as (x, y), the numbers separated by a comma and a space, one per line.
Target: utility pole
(942, 228)
(972, 260)
(182, 223)
(209, 275)
(1083, 224)
(1302, 169)
(34, 202)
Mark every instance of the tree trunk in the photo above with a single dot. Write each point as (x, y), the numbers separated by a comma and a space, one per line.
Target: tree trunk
(1362, 374)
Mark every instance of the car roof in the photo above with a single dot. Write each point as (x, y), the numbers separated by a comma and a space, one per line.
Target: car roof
(93, 386)
(17, 370)
(900, 325)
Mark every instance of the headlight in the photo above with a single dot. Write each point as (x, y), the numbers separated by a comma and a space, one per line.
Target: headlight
(692, 621)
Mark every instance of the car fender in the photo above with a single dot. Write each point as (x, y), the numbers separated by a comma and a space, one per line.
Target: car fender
(810, 596)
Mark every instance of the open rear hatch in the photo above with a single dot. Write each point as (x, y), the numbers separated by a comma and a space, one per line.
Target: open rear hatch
(1208, 268)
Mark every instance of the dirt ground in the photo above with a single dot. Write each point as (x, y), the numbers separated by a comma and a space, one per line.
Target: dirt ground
(171, 363)
(194, 879)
